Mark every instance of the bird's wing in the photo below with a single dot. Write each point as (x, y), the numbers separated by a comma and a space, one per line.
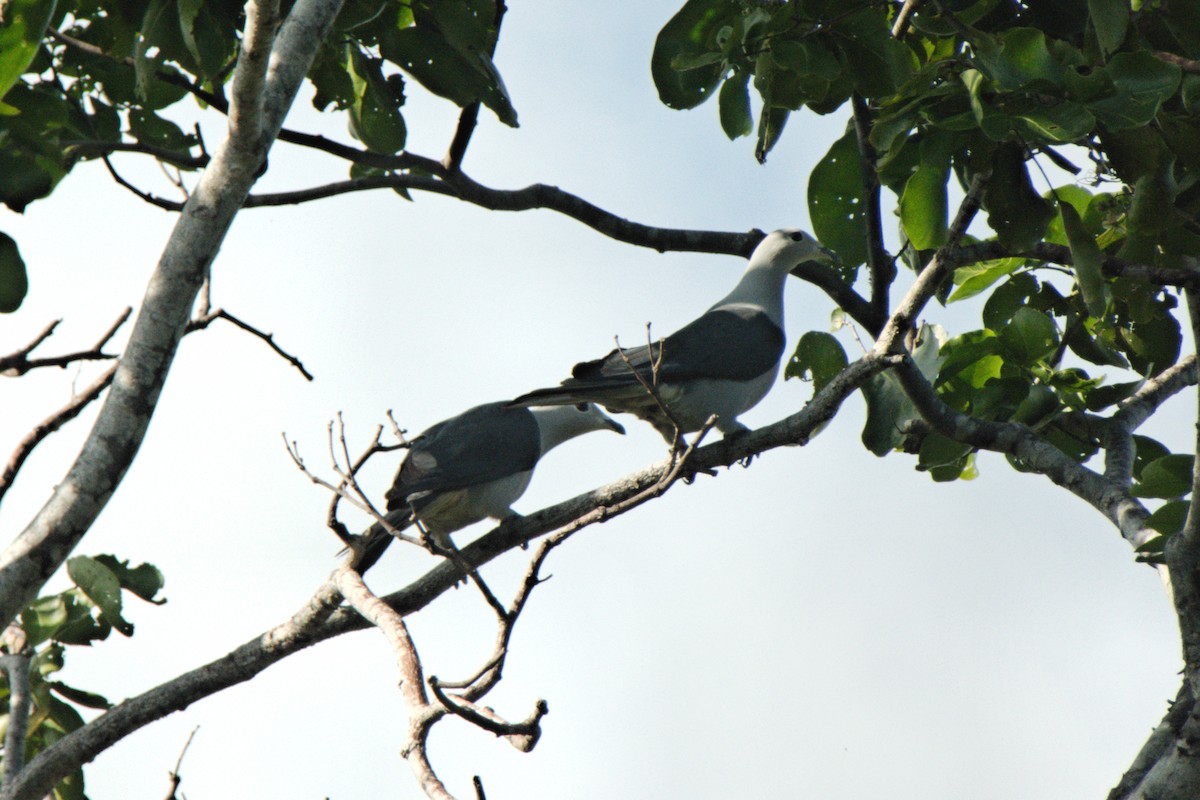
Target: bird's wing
(483, 444)
(736, 343)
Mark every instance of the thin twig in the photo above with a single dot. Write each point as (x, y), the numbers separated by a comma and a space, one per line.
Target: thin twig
(51, 424)
(18, 363)
(201, 322)
(174, 775)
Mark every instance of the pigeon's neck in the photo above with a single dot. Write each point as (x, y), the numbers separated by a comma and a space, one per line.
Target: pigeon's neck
(557, 424)
(762, 287)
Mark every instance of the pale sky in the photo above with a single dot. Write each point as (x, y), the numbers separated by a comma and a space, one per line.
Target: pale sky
(824, 624)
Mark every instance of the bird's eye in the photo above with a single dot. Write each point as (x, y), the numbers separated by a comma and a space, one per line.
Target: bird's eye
(581, 406)
(798, 236)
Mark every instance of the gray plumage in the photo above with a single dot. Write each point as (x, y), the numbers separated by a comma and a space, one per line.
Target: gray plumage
(473, 466)
(724, 362)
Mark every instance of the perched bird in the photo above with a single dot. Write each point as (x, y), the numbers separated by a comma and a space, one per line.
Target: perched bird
(721, 363)
(473, 466)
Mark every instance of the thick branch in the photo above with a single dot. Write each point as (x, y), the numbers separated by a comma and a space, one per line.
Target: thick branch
(16, 669)
(1108, 497)
(108, 451)
(315, 623)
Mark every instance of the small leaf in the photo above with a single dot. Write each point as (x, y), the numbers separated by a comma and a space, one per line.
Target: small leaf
(975, 278)
(835, 201)
(102, 587)
(1110, 19)
(22, 26)
(924, 207)
(1169, 519)
(14, 283)
(1167, 477)
(690, 34)
(734, 106)
(79, 696)
(1088, 260)
(42, 619)
(144, 580)
(1030, 336)
(770, 127)
(819, 357)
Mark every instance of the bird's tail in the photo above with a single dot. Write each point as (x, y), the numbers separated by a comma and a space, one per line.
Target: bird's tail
(373, 542)
(552, 396)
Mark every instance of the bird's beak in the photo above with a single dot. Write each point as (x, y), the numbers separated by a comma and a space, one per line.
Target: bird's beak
(613, 425)
(822, 255)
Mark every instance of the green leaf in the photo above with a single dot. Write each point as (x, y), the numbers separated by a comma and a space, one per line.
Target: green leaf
(441, 52)
(42, 619)
(734, 105)
(924, 208)
(1029, 337)
(14, 283)
(1017, 58)
(375, 118)
(888, 408)
(22, 26)
(943, 458)
(79, 696)
(1167, 477)
(1146, 451)
(1109, 18)
(1169, 519)
(144, 580)
(975, 278)
(1088, 260)
(1016, 212)
(691, 33)
(819, 357)
(770, 128)
(102, 587)
(835, 201)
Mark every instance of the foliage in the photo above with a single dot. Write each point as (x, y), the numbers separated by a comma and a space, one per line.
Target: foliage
(980, 90)
(112, 69)
(81, 615)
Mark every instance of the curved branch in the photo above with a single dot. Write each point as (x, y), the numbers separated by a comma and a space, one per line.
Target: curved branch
(1112, 266)
(318, 621)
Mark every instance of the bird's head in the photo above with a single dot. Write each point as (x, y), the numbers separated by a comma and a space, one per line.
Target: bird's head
(557, 424)
(791, 247)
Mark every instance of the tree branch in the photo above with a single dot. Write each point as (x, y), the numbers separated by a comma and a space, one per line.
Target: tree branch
(18, 363)
(1112, 266)
(51, 424)
(318, 620)
(41, 548)
(470, 114)
(206, 319)
(15, 665)
(880, 264)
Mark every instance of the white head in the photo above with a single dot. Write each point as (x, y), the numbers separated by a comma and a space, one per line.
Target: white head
(557, 424)
(788, 248)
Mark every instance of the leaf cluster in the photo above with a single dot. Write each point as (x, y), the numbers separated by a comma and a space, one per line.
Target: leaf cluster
(81, 615)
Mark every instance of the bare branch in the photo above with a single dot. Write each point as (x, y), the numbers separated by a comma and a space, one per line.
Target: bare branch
(522, 735)
(96, 147)
(319, 620)
(900, 27)
(18, 363)
(174, 775)
(1134, 410)
(206, 319)
(51, 424)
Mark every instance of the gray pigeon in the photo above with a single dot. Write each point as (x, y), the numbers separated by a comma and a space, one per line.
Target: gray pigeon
(473, 466)
(721, 363)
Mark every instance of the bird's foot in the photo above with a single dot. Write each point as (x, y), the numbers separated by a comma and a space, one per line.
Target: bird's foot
(512, 518)
(734, 432)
